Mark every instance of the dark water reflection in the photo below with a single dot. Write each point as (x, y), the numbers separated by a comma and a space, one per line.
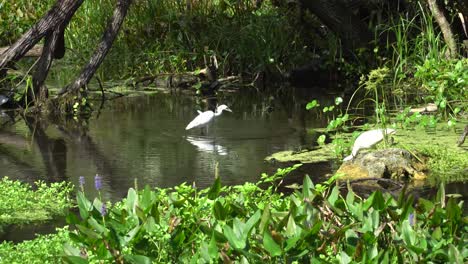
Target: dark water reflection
(144, 138)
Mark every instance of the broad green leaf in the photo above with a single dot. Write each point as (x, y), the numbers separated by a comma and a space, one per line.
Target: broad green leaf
(219, 211)
(437, 233)
(379, 201)
(71, 250)
(234, 241)
(291, 242)
(84, 205)
(97, 226)
(333, 196)
(75, 260)
(204, 252)
(265, 218)
(454, 255)
(344, 258)
(137, 259)
(88, 232)
(408, 233)
(150, 225)
(130, 235)
(251, 223)
(291, 227)
(212, 247)
(352, 240)
(454, 212)
(270, 245)
(132, 200)
(147, 199)
(441, 194)
(215, 189)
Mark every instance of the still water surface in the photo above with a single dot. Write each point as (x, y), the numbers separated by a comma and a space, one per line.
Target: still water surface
(144, 138)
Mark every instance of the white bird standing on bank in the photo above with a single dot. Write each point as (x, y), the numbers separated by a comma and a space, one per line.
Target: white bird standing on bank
(204, 118)
(368, 139)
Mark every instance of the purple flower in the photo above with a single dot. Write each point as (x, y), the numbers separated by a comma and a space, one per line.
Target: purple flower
(82, 181)
(98, 182)
(103, 209)
(411, 219)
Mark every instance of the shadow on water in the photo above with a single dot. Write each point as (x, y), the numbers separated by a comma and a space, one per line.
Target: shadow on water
(144, 138)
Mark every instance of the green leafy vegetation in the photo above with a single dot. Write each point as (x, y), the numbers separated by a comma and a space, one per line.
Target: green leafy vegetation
(42, 249)
(20, 204)
(246, 223)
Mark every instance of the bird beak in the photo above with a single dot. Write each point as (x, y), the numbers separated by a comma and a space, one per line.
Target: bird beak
(227, 109)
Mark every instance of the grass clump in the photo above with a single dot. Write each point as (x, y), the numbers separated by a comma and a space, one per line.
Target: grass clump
(21, 204)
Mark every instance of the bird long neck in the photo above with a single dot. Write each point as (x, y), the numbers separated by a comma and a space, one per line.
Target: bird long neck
(218, 113)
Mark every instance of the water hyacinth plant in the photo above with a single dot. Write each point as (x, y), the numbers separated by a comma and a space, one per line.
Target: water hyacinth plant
(21, 203)
(315, 224)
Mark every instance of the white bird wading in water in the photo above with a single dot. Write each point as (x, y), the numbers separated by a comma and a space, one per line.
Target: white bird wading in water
(368, 139)
(204, 118)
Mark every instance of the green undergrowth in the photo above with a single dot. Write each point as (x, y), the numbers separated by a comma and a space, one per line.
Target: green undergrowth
(248, 224)
(43, 249)
(21, 203)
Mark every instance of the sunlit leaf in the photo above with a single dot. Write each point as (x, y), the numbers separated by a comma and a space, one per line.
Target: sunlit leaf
(270, 245)
(234, 241)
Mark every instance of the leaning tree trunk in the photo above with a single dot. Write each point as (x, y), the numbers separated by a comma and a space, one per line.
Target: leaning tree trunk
(51, 27)
(103, 48)
(444, 27)
(54, 47)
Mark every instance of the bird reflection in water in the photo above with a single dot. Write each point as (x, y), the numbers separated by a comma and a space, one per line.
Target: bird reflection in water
(207, 145)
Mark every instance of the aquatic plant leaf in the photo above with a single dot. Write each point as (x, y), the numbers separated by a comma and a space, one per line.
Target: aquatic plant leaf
(219, 211)
(215, 189)
(88, 232)
(426, 205)
(352, 240)
(454, 255)
(454, 212)
(344, 258)
(307, 187)
(441, 195)
(408, 233)
(137, 259)
(132, 200)
(270, 245)
(147, 199)
(437, 233)
(251, 223)
(84, 205)
(291, 227)
(150, 225)
(212, 247)
(333, 196)
(96, 225)
(75, 260)
(292, 241)
(234, 241)
(265, 218)
(130, 235)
